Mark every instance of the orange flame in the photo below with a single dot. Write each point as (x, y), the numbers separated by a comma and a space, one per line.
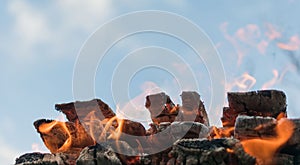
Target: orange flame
(273, 81)
(264, 149)
(272, 32)
(278, 77)
(47, 127)
(174, 109)
(291, 68)
(262, 46)
(292, 45)
(232, 39)
(281, 115)
(94, 123)
(222, 132)
(114, 126)
(229, 150)
(115, 134)
(243, 83)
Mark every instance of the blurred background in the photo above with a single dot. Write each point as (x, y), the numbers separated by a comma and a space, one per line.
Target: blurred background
(258, 44)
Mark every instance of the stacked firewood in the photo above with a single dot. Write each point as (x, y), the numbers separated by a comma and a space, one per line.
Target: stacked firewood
(92, 133)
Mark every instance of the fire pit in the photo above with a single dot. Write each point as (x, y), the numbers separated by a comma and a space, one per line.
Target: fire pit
(255, 131)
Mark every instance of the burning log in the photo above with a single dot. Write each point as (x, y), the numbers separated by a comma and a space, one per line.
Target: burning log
(192, 108)
(122, 141)
(94, 115)
(203, 151)
(292, 146)
(62, 136)
(267, 133)
(171, 132)
(270, 103)
(161, 108)
(167, 134)
(247, 127)
(127, 130)
(133, 128)
(191, 130)
(82, 109)
(222, 132)
(265, 148)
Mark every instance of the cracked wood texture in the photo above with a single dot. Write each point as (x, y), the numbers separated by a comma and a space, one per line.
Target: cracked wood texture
(255, 103)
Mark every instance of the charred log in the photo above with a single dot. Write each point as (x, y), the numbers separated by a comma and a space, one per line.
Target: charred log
(133, 128)
(81, 109)
(161, 108)
(189, 130)
(192, 108)
(292, 146)
(217, 151)
(125, 152)
(98, 155)
(247, 127)
(283, 159)
(42, 159)
(261, 103)
(63, 136)
(221, 132)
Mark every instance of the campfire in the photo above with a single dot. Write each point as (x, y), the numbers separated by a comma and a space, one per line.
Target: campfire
(255, 130)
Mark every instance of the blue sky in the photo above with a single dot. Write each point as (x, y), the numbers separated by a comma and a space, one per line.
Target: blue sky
(258, 43)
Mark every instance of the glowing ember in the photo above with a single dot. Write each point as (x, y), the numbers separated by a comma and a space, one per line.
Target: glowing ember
(264, 149)
(132, 160)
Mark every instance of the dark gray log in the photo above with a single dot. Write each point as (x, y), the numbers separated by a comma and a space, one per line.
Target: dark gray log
(98, 155)
(247, 127)
(188, 129)
(283, 159)
(125, 152)
(37, 158)
(256, 103)
(297, 159)
(168, 133)
(221, 132)
(293, 144)
(266, 102)
(210, 152)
